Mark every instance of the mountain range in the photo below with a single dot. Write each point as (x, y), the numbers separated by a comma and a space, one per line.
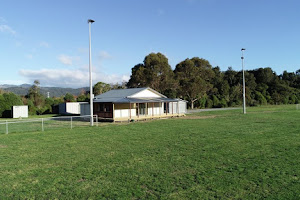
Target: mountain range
(53, 91)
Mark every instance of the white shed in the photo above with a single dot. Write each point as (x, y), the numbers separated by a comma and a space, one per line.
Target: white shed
(20, 111)
(70, 108)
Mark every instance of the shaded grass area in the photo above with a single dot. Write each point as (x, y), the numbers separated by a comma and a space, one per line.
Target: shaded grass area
(228, 156)
(33, 117)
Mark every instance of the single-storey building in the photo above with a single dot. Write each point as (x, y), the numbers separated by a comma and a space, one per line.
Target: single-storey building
(136, 104)
(70, 108)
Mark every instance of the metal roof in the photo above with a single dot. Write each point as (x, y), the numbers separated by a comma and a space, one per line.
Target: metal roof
(124, 96)
(120, 93)
(134, 100)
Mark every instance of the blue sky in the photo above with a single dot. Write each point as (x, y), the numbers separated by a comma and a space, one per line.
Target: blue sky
(48, 40)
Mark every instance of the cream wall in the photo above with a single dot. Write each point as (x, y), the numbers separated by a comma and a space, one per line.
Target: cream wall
(123, 110)
(145, 94)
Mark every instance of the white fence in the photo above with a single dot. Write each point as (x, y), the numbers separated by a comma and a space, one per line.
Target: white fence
(42, 124)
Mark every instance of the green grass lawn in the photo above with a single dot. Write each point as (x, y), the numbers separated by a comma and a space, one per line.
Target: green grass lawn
(39, 123)
(208, 155)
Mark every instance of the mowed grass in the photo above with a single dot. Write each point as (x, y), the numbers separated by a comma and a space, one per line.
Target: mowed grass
(209, 155)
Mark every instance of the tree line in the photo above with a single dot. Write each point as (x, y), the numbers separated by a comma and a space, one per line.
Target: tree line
(39, 104)
(194, 80)
(205, 86)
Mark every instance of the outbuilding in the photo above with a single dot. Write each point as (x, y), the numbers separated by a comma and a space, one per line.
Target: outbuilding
(137, 104)
(70, 108)
(19, 111)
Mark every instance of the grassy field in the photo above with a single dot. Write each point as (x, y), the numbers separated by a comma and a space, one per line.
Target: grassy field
(209, 155)
(39, 123)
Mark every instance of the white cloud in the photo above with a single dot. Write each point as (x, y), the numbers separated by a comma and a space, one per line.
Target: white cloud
(66, 60)
(104, 55)
(70, 78)
(7, 29)
(44, 44)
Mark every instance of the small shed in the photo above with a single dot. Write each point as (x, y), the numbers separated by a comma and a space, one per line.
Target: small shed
(70, 108)
(19, 111)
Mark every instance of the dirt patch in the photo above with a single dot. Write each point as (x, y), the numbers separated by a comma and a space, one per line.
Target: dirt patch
(199, 117)
(2, 146)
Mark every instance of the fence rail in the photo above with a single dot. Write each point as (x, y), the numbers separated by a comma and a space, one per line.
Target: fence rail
(42, 124)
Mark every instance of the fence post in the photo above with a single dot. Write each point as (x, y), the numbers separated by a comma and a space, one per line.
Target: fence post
(6, 127)
(71, 122)
(43, 124)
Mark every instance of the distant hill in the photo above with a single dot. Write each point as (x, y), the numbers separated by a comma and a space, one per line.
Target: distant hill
(6, 86)
(53, 91)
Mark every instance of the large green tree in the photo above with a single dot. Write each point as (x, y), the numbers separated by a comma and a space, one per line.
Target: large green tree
(155, 72)
(69, 97)
(7, 100)
(194, 77)
(37, 99)
(100, 88)
(137, 78)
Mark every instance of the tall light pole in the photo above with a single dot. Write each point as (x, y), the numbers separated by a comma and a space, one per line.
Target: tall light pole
(244, 90)
(90, 21)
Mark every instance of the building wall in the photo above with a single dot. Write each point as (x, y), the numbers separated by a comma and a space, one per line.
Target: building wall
(182, 107)
(62, 108)
(104, 110)
(20, 111)
(122, 111)
(71, 108)
(145, 94)
(85, 109)
(157, 108)
(125, 111)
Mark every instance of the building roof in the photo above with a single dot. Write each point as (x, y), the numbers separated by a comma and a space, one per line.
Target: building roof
(119, 93)
(125, 96)
(135, 100)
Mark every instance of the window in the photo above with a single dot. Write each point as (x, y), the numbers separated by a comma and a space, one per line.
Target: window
(101, 107)
(141, 109)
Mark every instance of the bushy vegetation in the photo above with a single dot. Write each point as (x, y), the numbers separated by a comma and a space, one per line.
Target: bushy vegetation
(7, 100)
(39, 104)
(205, 86)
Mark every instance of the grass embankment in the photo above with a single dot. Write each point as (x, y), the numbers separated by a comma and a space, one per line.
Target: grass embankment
(211, 155)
